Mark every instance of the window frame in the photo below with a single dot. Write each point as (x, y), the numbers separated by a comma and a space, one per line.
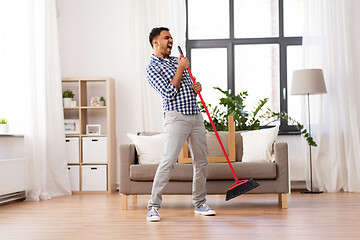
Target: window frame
(231, 42)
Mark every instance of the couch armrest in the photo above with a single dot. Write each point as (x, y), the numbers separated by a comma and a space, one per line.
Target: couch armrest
(127, 157)
(282, 162)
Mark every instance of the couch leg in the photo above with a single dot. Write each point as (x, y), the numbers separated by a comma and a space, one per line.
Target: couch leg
(282, 199)
(134, 200)
(124, 201)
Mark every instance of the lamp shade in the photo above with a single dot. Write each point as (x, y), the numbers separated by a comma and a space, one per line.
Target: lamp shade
(308, 81)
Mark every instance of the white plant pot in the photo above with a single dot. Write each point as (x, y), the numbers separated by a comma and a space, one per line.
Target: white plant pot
(4, 128)
(102, 103)
(67, 102)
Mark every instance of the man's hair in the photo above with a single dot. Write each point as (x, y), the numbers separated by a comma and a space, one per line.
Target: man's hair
(156, 32)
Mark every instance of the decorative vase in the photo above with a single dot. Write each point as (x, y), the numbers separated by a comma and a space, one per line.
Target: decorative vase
(67, 102)
(4, 128)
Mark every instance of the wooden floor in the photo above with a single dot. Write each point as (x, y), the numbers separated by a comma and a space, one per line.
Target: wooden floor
(323, 216)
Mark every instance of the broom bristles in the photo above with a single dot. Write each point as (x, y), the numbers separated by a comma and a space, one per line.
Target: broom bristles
(241, 189)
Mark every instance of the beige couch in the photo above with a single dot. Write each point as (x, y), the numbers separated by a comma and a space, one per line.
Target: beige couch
(273, 177)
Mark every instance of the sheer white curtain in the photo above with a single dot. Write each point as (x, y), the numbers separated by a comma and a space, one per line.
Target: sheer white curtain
(36, 85)
(147, 15)
(331, 42)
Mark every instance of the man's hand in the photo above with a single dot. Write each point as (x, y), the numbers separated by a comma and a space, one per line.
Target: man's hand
(183, 63)
(197, 87)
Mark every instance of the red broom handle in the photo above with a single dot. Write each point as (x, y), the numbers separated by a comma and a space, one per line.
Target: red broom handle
(212, 123)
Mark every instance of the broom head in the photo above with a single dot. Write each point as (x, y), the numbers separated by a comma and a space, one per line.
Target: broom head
(241, 187)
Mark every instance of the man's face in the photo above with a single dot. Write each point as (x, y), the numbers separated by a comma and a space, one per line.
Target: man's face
(163, 44)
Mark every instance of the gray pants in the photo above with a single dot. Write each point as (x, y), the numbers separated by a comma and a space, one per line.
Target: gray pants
(178, 129)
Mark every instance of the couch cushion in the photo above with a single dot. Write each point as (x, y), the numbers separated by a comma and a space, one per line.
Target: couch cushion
(220, 171)
(216, 171)
(146, 172)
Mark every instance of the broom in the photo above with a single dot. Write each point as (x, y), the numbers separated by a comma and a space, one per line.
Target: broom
(240, 186)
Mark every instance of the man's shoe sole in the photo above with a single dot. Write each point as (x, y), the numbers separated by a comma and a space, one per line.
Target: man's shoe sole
(205, 213)
(153, 219)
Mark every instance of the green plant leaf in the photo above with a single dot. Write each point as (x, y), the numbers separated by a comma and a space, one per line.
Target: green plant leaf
(234, 105)
(68, 94)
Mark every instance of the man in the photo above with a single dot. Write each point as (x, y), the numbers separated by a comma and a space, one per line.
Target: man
(183, 121)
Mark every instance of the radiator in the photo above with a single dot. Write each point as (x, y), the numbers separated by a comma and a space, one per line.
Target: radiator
(12, 180)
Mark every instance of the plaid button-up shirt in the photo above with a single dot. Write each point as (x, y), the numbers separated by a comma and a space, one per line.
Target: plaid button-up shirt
(160, 73)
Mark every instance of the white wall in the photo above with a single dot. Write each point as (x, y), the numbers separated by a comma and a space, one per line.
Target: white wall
(298, 152)
(94, 38)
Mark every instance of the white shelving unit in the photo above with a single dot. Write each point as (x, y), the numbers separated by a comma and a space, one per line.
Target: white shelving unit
(91, 157)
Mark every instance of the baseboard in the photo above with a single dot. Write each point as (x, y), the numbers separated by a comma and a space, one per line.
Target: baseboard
(298, 186)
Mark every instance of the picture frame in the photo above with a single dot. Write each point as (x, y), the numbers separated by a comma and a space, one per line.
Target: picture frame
(72, 126)
(93, 129)
(94, 101)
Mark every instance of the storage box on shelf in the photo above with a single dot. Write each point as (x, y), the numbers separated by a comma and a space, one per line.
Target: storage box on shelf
(91, 154)
(72, 149)
(94, 177)
(94, 149)
(74, 172)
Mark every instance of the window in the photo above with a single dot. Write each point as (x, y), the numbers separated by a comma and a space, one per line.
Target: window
(240, 45)
(201, 59)
(13, 63)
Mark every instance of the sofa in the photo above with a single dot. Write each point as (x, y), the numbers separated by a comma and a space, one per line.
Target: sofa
(273, 176)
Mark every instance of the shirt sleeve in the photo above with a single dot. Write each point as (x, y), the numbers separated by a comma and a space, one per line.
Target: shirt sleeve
(160, 84)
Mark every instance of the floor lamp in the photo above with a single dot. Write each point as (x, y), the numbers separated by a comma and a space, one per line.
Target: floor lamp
(306, 82)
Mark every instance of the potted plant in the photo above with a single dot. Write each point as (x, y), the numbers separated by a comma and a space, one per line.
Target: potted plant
(102, 101)
(4, 126)
(247, 120)
(67, 98)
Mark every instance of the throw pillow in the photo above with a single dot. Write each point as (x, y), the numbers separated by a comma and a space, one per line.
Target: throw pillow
(212, 145)
(239, 146)
(149, 148)
(257, 144)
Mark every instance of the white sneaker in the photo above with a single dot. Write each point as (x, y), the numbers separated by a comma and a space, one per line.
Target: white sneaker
(153, 215)
(205, 210)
